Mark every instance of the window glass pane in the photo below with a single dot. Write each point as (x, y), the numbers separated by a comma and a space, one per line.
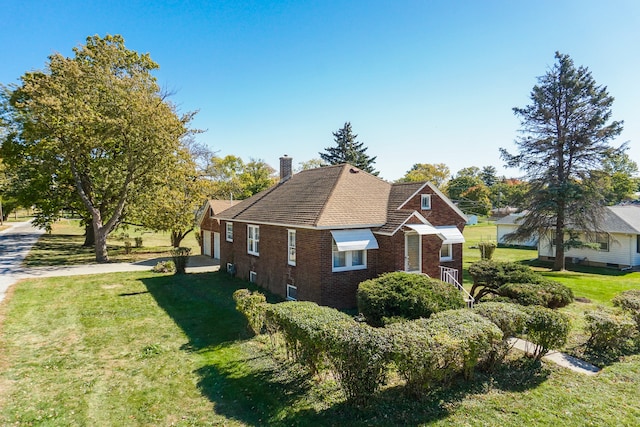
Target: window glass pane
(357, 258)
(339, 259)
(426, 201)
(445, 252)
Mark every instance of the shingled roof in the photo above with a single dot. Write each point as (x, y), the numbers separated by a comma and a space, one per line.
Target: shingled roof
(327, 197)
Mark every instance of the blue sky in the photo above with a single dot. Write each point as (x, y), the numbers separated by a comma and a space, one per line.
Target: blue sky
(420, 81)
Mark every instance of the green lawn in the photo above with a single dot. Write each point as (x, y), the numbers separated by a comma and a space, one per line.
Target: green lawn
(133, 349)
(64, 246)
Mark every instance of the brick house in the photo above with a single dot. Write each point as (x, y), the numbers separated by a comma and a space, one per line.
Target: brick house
(317, 234)
(210, 226)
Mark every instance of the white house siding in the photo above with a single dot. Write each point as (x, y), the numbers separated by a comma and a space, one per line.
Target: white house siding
(622, 251)
(504, 229)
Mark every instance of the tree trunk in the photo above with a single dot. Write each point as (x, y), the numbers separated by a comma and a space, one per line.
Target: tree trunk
(177, 236)
(100, 235)
(89, 236)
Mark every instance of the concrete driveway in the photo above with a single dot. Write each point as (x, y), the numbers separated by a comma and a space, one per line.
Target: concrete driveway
(17, 241)
(15, 244)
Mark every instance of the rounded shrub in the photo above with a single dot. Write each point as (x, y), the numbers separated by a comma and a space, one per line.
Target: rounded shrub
(546, 328)
(610, 334)
(488, 276)
(629, 301)
(507, 316)
(547, 293)
(405, 295)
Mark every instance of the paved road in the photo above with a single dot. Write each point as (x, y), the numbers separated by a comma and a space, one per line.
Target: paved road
(16, 242)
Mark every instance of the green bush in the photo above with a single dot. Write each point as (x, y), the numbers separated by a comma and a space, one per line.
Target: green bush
(509, 319)
(487, 249)
(253, 306)
(430, 352)
(180, 258)
(304, 327)
(405, 295)
(546, 328)
(629, 301)
(127, 246)
(138, 241)
(164, 267)
(610, 333)
(360, 355)
(488, 276)
(547, 293)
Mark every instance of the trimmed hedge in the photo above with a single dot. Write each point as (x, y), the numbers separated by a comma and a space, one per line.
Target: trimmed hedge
(546, 293)
(629, 301)
(510, 319)
(432, 351)
(546, 328)
(253, 306)
(405, 295)
(610, 333)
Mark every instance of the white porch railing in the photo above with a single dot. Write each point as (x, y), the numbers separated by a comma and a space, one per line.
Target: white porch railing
(450, 275)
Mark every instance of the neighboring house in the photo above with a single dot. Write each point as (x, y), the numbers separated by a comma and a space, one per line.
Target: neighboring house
(210, 226)
(319, 233)
(509, 224)
(617, 241)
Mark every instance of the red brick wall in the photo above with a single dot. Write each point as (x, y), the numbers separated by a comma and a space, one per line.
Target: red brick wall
(209, 224)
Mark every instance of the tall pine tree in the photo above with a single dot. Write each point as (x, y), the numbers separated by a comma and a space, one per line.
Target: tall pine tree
(565, 141)
(348, 150)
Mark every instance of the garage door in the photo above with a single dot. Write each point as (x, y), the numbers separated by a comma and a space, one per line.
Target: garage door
(206, 242)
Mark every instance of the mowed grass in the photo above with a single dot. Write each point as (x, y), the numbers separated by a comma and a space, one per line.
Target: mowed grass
(599, 285)
(63, 246)
(133, 349)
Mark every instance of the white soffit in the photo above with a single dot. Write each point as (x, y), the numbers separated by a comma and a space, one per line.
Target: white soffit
(354, 240)
(423, 229)
(451, 234)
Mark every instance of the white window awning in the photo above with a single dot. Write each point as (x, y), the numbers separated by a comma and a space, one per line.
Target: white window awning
(354, 240)
(451, 234)
(423, 229)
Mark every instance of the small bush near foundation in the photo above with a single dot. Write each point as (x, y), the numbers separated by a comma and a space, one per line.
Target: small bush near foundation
(546, 328)
(404, 295)
(611, 334)
(253, 306)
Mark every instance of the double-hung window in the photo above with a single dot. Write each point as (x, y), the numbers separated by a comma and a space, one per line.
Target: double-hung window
(602, 239)
(253, 240)
(446, 252)
(425, 202)
(229, 231)
(348, 260)
(291, 247)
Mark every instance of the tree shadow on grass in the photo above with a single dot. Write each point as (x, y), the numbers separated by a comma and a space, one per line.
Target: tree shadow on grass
(248, 385)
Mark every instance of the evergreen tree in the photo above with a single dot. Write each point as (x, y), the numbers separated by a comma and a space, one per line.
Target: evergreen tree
(566, 132)
(348, 150)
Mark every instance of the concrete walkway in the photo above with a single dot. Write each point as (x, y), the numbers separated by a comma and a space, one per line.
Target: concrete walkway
(18, 240)
(557, 357)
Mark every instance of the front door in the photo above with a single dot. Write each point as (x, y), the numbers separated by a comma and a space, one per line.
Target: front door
(412, 253)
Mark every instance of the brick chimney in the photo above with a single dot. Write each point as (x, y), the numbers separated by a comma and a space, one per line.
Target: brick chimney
(286, 169)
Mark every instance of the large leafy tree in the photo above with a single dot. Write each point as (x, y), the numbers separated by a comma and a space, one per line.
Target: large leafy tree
(566, 134)
(233, 178)
(349, 150)
(438, 174)
(97, 120)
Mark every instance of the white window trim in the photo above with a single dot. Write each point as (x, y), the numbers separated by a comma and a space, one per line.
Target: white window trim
(291, 260)
(607, 242)
(290, 298)
(253, 276)
(348, 260)
(447, 258)
(424, 197)
(229, 231)
(253, 243)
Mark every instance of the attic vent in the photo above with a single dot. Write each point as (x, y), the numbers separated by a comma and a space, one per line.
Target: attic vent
(352, 170)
